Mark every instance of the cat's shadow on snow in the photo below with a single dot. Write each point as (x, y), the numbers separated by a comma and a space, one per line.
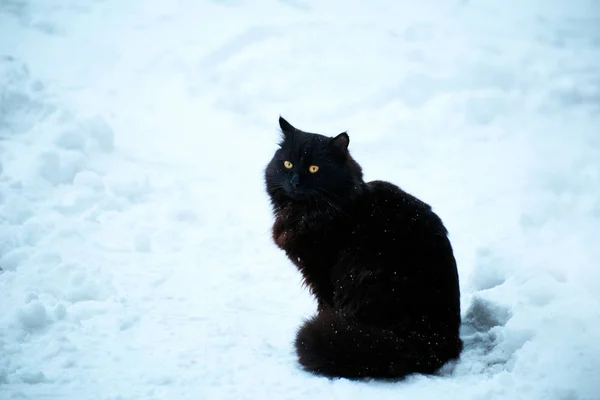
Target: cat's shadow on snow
(478, 331)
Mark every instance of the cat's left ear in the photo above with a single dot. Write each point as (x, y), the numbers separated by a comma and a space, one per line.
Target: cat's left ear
(341, 142)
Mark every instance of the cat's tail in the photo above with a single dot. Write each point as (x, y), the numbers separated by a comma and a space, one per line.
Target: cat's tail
(331, 345)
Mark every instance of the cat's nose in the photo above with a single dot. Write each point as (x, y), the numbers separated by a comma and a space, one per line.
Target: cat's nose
(295, 181)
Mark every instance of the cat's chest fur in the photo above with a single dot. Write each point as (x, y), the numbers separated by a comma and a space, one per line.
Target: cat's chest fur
(300, 232)
(313, 243)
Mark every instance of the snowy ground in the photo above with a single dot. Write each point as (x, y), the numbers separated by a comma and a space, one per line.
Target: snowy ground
(134, 239)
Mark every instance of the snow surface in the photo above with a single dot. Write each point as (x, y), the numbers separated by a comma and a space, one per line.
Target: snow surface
(134, 243)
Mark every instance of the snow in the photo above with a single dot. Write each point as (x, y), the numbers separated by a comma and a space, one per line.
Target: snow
(134, 243)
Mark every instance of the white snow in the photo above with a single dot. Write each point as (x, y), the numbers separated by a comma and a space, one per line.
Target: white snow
(134, 243)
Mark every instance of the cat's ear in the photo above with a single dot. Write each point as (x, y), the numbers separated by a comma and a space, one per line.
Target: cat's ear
(286, 127)
(341, 142)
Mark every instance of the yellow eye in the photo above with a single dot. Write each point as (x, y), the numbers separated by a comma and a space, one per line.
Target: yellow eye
(313, 169)
(288, 164)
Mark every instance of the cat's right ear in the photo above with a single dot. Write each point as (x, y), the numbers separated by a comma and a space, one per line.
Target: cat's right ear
(286, 127)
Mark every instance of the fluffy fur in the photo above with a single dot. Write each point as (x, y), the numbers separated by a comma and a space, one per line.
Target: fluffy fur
(377, 259)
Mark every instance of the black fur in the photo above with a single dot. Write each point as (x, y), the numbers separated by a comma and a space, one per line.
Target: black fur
(377, 259)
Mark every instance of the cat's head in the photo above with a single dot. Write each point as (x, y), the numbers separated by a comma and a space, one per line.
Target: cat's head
(311, 167)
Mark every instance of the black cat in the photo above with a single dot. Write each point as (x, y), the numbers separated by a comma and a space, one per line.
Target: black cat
(377, 259)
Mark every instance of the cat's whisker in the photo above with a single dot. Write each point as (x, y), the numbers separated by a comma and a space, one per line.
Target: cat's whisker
(329, 201)
(332, 195)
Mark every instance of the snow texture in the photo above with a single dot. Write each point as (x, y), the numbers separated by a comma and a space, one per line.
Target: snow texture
(134, 243)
